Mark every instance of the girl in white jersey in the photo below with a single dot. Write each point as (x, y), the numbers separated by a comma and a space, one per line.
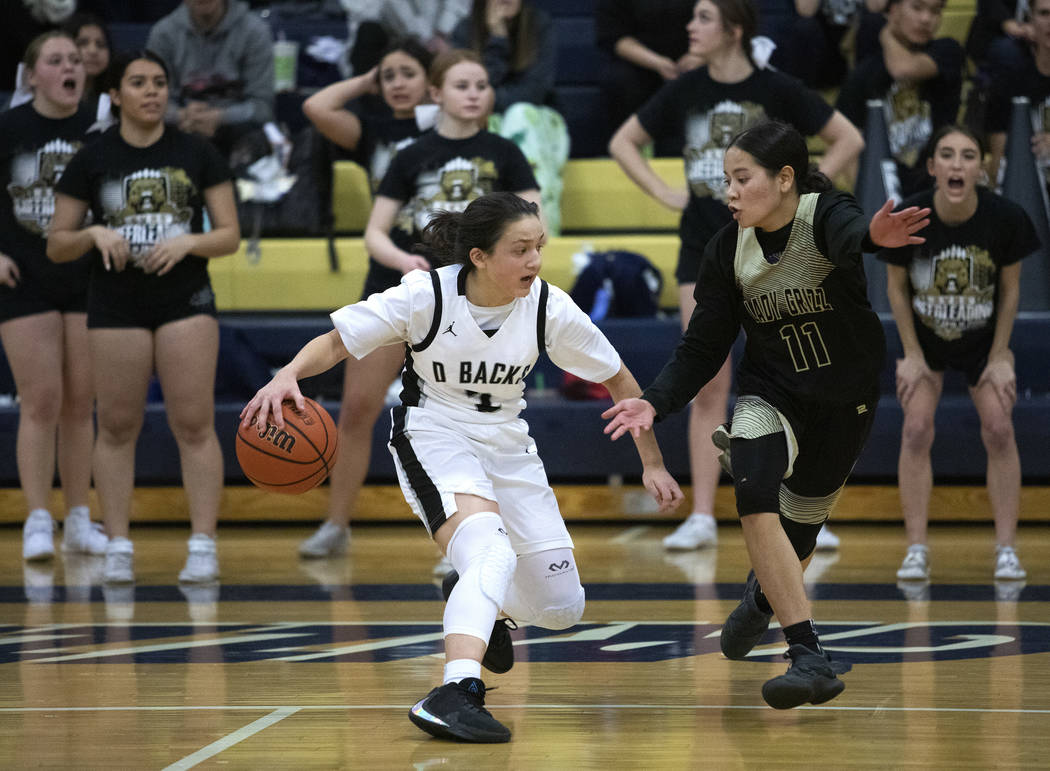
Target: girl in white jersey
(472, 331)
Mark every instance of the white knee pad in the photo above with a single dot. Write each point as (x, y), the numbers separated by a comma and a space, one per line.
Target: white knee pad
(546, 590)
(481, 553)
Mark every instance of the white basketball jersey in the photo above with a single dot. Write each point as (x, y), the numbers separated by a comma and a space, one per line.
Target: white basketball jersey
(452, 365)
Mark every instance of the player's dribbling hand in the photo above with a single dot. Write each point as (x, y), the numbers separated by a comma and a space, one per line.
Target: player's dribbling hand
(166, 254)
(265, 406)
(9, 274)
(664, 489)
(634, 415)
(113, 247)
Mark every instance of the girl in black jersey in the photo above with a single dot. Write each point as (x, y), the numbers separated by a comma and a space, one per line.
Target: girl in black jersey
(789, 270)
(42, 320)
(150, 303)
(401, 79)
(955, 299)
(704, 108)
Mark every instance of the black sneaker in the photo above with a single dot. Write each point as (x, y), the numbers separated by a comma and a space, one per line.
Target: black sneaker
(810, 678)
(457, 711)
(499, 655)
(746, 624)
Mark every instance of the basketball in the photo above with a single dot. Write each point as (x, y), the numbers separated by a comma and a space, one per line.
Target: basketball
(290, 460)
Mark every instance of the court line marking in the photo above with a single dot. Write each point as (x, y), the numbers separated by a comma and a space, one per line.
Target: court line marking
(630, 534)
(329, 707)
(242, 733)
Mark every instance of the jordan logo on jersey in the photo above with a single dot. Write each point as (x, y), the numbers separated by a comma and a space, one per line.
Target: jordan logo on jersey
(447, 331)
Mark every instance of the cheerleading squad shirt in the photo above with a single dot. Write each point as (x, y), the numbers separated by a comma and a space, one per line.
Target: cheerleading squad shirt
(954, 275)
(913, 110)
(707, 114)
(801, 296)
(148, 195)
(435, 173)
(33, 156)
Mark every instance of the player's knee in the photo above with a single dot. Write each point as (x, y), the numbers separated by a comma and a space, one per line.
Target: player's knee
(998, 435)
(481, 551)
(802, 535)
(917, 434)
(756, 495)
(565, 614)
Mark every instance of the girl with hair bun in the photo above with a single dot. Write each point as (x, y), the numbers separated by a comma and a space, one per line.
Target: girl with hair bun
(473, 329)
(789, 270)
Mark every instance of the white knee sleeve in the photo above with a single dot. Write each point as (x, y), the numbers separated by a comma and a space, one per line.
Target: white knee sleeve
(546, 590)
(481, 553)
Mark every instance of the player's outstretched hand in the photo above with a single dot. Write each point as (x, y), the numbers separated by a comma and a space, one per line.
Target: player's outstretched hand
(265, 406)
(634, 415)
(897, 228)
(663, 488)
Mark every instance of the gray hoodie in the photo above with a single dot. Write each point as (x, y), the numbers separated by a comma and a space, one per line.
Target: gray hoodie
(239, 49)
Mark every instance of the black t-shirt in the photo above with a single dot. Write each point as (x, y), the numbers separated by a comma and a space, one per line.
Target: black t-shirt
(914, 111)
(382, 137)
(954, 275)
(33, 155)
(707, 114)
(435, 173)
(811, 333)
(148, 194)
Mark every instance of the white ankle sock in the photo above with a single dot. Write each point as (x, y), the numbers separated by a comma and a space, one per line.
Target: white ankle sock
(80, 511)
(461, 669)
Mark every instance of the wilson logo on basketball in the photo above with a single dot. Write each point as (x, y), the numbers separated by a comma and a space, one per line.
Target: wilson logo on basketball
(282, 440)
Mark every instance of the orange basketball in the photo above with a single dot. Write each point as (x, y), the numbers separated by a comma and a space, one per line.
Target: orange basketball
(290, 460)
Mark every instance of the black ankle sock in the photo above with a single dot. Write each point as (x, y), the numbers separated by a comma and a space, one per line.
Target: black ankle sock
(762, 602)
(803, 633)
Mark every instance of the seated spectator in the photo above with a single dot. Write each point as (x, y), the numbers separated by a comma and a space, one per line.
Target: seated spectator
(220, 59)
(515, 40)
(999, 36)
(811, 47)
(919, 80)
(1032, 80)
(645, 45)
(23, 20)
(92, 38)
(374, 23)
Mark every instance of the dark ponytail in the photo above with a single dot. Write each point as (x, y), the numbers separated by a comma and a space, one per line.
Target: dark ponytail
(451, 235)
(775, 144)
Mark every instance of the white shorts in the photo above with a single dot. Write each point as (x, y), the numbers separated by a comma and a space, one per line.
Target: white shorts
(437, 457)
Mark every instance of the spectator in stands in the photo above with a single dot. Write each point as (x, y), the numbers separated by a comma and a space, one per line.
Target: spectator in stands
(642, 50)
(401, 80)
(42, 320)
(999, 36)
(807, 386)
(955, 299)
(95, 46)
(919, 80)
(373, 23)
(810, 46)
(220, 57)
(465, 460)
(1032, 80)
(704, 109)
(515, 41)
(150, 304)
(23, 20)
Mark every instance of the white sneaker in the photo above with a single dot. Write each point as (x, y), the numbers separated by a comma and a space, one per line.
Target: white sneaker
(80, 534)
(442, 568)
(202, 562)
(329, 540)
(916, 564)
(37, 541)
(120, 559)
(827, 540)
(1007, 565)
(697, 530)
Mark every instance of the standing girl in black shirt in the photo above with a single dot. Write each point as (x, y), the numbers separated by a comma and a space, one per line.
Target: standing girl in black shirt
(42, 319)
(150, 302)
(705, 108)
(955, 299)
(789, 270)
(375, 136)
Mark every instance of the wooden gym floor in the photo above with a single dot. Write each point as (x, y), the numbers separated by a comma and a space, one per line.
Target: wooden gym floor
(313, 664)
